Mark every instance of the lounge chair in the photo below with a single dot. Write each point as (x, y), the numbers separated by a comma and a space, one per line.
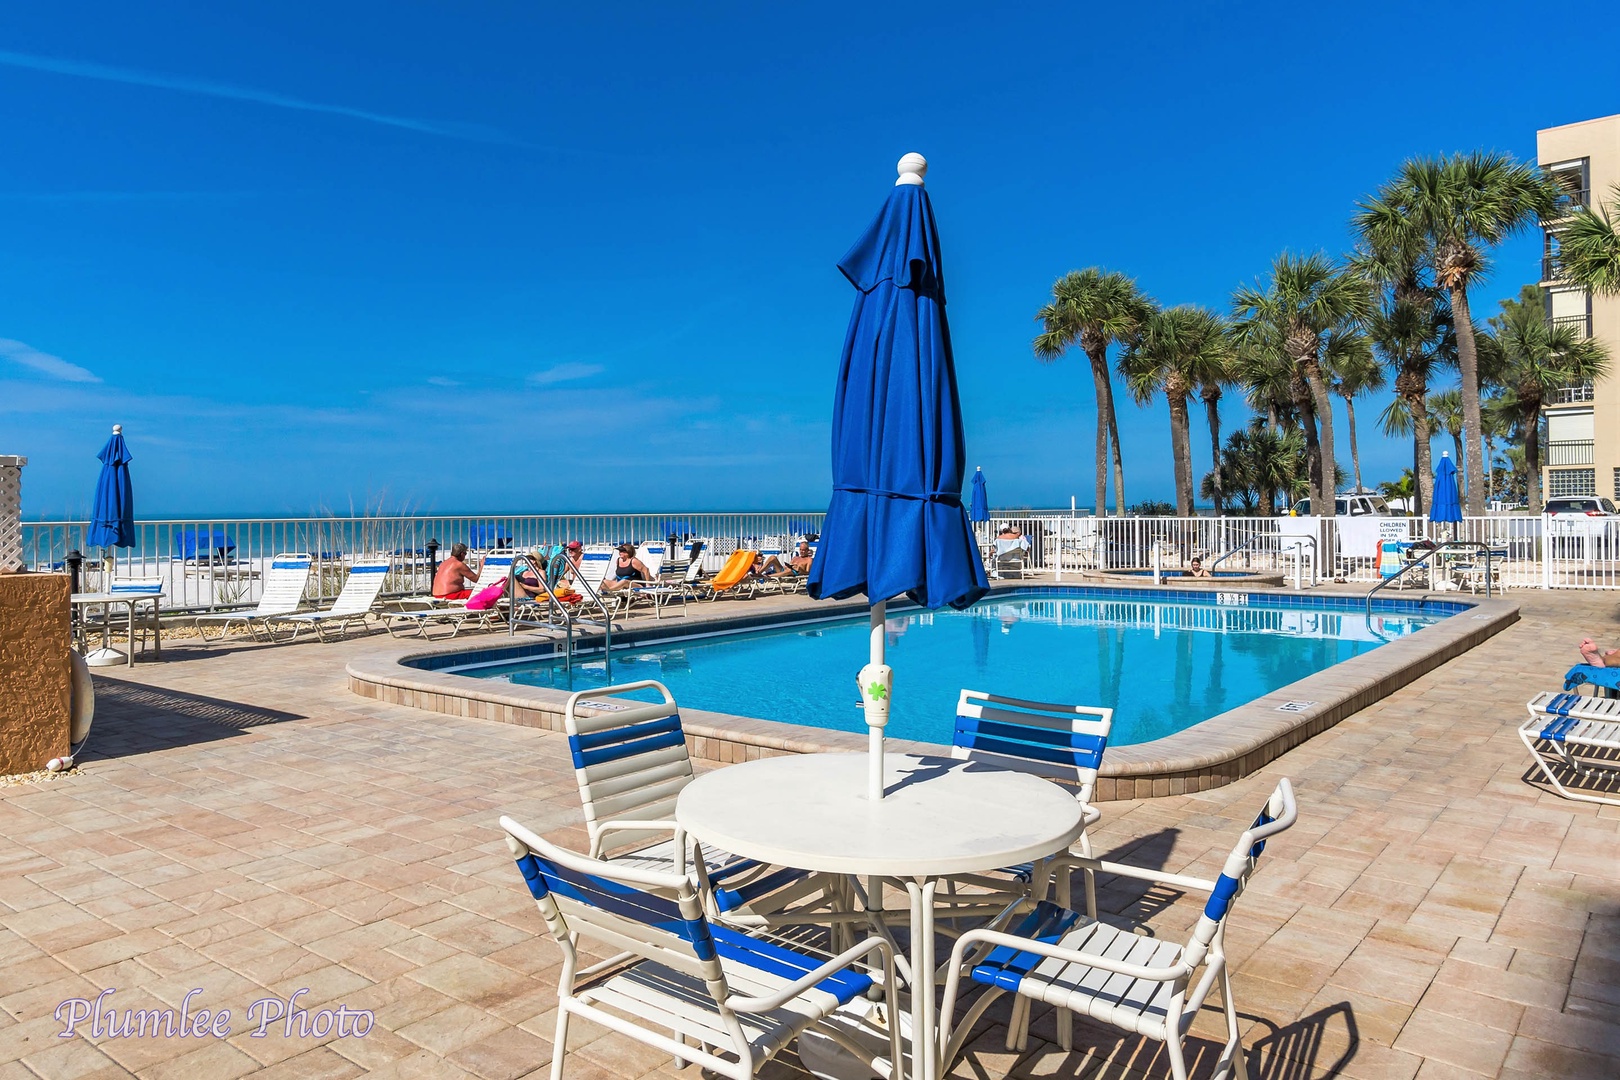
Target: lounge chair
(353, 604)
(283, 592)
(662, 594)
(1576, 738)
(702, 993)
(1060, 742)
(493, 569)
(734, 576)
(631, 764)
(1011, 558)
(1114, 974)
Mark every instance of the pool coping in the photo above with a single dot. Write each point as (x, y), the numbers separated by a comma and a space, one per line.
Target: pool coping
(1219, 751)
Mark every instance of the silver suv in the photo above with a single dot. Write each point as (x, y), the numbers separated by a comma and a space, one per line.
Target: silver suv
(1350, 504)
(1576, 522)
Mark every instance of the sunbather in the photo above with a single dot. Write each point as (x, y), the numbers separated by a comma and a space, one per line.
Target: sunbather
(802, 558)
(455, 579)
(559, 573)
(769, 566)
(1599, 657)
(627, 570)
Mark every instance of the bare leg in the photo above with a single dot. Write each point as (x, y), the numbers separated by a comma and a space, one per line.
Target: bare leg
(1591, 654)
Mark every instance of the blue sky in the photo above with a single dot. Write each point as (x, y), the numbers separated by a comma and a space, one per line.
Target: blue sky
(494, 257)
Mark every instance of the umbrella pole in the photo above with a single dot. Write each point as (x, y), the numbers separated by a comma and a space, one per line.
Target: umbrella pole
(876, 679)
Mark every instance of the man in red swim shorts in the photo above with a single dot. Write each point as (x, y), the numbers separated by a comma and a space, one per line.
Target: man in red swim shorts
(455, 578)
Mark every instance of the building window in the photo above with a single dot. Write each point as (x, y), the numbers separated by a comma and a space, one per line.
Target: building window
(1617, 484)
(1565, 482)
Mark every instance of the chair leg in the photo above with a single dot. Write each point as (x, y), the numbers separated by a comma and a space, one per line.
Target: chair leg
(1178, 1064)
(1232, 1063)
(559, 1047)
(1018, 1025)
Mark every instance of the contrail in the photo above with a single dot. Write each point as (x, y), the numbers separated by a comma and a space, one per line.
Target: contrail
(107, 73)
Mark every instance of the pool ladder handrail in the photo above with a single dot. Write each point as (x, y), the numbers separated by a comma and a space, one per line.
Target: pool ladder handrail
(1297, 542)
(558, 613)
(1457, 547)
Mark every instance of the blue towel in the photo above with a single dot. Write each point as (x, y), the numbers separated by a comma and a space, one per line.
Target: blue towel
(1608, 678)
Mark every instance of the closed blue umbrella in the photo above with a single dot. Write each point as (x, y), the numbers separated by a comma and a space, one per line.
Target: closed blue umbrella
(895, 524)
(112, 515)
(979, 507)
(1447, 506)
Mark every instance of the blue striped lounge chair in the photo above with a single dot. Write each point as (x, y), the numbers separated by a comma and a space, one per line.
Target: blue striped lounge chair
(631, 762)
(283, 593)
(1574, 740)
(1060, 742)
(705, 994)
(353, 604)
(494, 568)
(1113, 974)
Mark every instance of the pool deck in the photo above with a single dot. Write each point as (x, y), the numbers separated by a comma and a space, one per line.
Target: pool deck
(243, 823)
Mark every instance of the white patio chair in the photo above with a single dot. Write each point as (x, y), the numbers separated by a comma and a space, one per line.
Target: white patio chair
(493, 569)
(283, 592)
(682, 590)
(631, 762)
(703, 993)
(1572, 736)
(145, 617)
(1113, 975)
(1060, 742)
(353, 604)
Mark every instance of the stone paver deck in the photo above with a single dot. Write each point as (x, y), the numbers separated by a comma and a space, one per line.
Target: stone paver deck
(242, 824)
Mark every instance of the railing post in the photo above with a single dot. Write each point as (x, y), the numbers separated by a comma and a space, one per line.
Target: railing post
(74, 562)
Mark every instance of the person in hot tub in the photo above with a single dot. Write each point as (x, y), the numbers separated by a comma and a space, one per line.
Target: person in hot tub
(1196, 568)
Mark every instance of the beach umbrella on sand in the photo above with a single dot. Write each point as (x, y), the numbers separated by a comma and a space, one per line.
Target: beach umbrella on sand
(895, 524)
(112, 515)
(979, 504)
(1447, 506)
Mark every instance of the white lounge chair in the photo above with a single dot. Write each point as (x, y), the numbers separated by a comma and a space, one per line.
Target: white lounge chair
(1113, 974)
(493, 569)
(1572, 736)
(662, 594)
(1060, 742)
(1011, 558)
(353, 604)
(283, 593)
(702, 993)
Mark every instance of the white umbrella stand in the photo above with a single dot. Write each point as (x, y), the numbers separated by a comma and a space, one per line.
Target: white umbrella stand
(876, 682)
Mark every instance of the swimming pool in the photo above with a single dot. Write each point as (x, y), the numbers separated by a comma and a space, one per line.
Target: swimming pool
(1163, 661)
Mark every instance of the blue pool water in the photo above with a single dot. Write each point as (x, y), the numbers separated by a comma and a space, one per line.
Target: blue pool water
(1163, 664)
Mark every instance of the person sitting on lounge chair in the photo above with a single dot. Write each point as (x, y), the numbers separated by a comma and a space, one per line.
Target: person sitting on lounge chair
(1010, 537)
(768, 566)
(627, 570)
(455, 579)
(1597, 657)
(802, 558)
(559, 574)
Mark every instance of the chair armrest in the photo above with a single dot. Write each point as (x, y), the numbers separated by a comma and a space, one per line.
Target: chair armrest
(1103, 866)
(804, 982)
(1074, 956)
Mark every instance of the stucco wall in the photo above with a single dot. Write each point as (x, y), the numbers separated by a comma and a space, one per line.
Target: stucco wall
(35, 673)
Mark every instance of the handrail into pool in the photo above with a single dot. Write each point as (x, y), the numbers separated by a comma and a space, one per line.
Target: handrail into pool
(1453, 547)
(1296, 542)
(558, 612)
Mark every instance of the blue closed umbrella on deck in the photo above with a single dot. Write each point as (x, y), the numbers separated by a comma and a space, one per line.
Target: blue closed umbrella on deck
(112, 515)
(1447, 506)
(896, 524)
(979, 504)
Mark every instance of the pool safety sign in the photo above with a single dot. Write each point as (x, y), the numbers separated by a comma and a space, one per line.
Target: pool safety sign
(1295, 706)
(1232, 599)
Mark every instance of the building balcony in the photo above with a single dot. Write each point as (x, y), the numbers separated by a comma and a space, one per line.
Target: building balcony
(1570, 452)
(1552, 271)
(1570, 200)
(1581, 324)
(1570, 395)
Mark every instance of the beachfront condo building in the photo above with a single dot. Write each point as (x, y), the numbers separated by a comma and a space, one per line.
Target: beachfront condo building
(1582, 455)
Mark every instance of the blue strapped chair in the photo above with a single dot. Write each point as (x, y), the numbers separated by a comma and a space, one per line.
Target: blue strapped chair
(704, 993)
(631, 762)
(1576, 737)
(1060, 742)
(1113, 975)
(353, 604)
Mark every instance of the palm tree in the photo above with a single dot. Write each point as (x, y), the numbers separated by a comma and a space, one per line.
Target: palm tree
(1446, 414)
(1349, 358)
(1217, 373)
(1171, 355)
(1095, 308)
(1464, 206)
(1306, 298)
(1260, 460)
(1531, 358)
(1589, 246)
(1410, 328)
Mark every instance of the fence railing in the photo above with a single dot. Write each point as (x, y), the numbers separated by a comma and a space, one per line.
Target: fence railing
(220, 564)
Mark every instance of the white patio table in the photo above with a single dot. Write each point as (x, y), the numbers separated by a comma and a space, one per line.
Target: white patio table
(939, 817)
(130, 600)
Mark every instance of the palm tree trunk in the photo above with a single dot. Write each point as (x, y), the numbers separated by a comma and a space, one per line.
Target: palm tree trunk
(1468, 368)
(1355, 454)
(1105, 414)
(1181, 451)
(1531, 423)
(1212, 413)
(1313, 448)
(1324, 420)
(1119, 460)
(1457, 446)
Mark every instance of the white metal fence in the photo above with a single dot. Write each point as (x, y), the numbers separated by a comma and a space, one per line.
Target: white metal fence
(220, 563)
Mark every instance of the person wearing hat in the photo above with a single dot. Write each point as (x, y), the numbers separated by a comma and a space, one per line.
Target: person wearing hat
(559, 573)
(627, 570)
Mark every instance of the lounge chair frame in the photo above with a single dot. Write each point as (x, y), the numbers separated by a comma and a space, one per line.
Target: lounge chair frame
(1575, 738)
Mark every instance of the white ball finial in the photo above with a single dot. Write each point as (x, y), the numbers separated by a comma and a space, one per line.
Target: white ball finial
(118, 429)
(912, 169)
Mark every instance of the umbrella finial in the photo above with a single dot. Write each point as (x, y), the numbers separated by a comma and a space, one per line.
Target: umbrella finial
(118, 429)
(912, 168)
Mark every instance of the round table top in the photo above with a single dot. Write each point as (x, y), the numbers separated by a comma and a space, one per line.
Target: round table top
(939, 816)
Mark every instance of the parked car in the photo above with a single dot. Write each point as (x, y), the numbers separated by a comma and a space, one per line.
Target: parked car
(1348, 504)
(1580, 506)
(1576, 523)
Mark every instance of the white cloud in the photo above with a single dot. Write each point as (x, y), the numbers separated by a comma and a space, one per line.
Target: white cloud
(564, 373)
(53, 366)
(440, 380)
